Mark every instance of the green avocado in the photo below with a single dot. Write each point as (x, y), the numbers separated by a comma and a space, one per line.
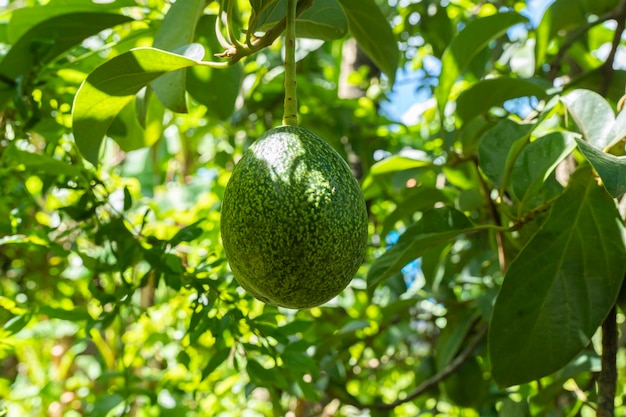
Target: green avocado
(293, 220)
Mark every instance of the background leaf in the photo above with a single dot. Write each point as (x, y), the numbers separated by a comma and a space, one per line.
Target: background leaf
(41, 163)
(17, 323)
(419, 199)
(177, 29)
(216, 360)
(51, 37)
(75, 314)
(560, 287)
(47, 40)
(561, 15)
(458, 325)
(435, 227)
(599, 7)
(466, 45)
(105, 404)
(488, 93)
(373, 33)
(397, 163)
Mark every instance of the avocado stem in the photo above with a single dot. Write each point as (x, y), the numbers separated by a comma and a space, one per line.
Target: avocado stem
(290, 107)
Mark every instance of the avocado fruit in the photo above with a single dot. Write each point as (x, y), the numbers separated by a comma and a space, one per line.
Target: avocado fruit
(293, 222)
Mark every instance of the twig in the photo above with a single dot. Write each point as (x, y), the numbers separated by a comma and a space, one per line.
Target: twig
(554, 64)
(607, 380)
(607, 69)
(235, 54)
(496, 218)
(436, 379)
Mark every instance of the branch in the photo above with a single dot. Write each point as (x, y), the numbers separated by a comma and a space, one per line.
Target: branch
(437, 378)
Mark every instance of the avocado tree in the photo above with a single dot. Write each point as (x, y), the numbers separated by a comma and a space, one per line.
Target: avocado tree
(496, 250)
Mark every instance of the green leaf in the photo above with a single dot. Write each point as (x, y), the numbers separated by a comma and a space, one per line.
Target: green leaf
(139, 124)
(471, 199)
(298, 361)
(5, 302)
(128, 199)
(44, 42)
(611, 168)
(354, 325)
(77, 314)
(50, 38)
(419, 199)
(618, 130)
(41, 163)
(485, 94)
(593, 116)
(398, 163)
(436, 28)
(177, 29)
(216, 360)
(106, 403)
(538, 160)
(112, 86)
(599, 7)
(16, 324)
(25, 18)
(587, 361)
(560, 287)
(512, 408)
(186, 234)
(308, 390)
(459, 321)
(466, 386)
(127, 130)
(259, 375)
(470, 133)
(295, 327)
(561, 15)
(436, 226)
(217, 89)
(466, 45)
(373, 33)
(498, 149)
(258, 6)
(324, 20)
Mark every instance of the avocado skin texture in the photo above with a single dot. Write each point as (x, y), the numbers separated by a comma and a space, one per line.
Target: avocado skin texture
(293, 220)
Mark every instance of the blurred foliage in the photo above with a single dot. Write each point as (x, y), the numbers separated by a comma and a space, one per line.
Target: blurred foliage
(116, 299)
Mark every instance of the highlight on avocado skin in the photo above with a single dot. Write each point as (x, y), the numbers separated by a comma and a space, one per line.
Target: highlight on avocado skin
(293, 220)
